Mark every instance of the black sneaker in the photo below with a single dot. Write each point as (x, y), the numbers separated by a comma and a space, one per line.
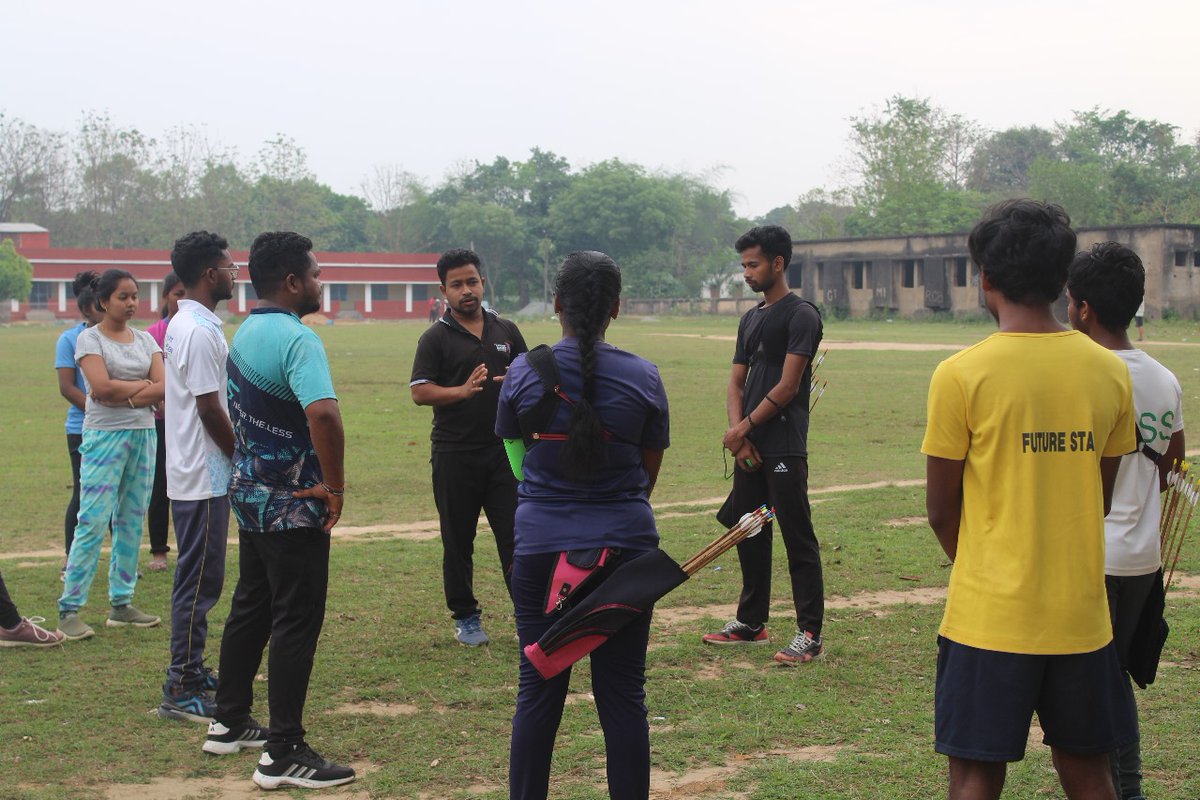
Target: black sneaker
(301, 767)
(222, 741)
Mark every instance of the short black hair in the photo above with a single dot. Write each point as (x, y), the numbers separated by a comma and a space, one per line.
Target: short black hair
(195, 253)
(85, 298)
(1112, 279)
(458, 257)
(274, 256)
(773, 239)
(1024, 247)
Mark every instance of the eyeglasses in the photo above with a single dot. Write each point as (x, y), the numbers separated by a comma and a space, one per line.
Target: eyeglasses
(233, 271)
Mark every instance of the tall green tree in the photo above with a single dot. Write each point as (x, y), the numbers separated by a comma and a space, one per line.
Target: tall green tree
(909, 161)
(493, 231)
(16, 273)
(1001, 163)
(1115, 168)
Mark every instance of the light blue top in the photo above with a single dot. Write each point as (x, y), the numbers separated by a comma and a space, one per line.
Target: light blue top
(64, 356)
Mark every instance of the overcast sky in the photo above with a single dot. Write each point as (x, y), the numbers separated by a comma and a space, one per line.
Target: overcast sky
(760, 91)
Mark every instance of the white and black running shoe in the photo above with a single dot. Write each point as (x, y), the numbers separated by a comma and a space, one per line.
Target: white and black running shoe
(222, 741)
(301, 767)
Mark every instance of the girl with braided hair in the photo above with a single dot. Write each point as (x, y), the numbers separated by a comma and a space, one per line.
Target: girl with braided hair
(585, 488)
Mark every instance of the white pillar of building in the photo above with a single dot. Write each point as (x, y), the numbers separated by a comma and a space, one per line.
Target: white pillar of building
(62, 295)
(16, 306)
(408, 298)
(325, 306)
(367, 308)
(154, 296)
(241, 298)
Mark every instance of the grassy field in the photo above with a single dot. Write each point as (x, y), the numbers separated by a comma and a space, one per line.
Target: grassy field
(422, 717)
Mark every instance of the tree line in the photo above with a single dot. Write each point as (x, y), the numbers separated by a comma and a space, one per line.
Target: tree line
(916, 168)
(911, 167)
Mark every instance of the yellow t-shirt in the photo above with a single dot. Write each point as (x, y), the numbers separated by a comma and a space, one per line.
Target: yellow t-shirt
(1031, 415)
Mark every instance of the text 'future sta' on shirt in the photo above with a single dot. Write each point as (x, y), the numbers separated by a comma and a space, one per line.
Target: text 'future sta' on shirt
(555, 513)
(446, 354)
(1131, 529)
(195, 353)
(277, 368)
(766, 335)
(125, 361)
(1031, 415)
(64, 358)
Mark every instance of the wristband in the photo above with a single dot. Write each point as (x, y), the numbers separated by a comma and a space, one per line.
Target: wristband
(771, 400)
(750, 419)
(333, 491)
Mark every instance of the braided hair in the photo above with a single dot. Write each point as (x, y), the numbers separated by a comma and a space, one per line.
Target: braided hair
(587, 286)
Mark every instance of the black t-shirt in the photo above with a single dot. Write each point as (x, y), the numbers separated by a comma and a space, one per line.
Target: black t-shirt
(766, 335)
(446, 354)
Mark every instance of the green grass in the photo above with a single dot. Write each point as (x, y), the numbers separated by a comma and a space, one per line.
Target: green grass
(83, 714)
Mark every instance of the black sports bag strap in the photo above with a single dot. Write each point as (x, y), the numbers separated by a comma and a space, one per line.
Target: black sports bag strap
(541, 415)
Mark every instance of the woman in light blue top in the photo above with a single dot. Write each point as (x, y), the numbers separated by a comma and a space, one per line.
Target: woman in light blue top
(72, 388)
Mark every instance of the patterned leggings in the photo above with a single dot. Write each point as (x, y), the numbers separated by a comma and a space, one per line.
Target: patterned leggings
(115, 478)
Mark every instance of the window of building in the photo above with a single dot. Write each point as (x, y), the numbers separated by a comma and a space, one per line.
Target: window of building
(1181, 258)
(910, 273)
(962, 273)
(820, 275)
(339, 292)
(41, 292)
(379, 291)
(795, 275)
(1196, 258)
(250, 293)
(859, 270)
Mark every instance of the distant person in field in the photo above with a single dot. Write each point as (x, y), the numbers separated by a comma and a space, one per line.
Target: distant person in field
(1103, 287)
(198, 452)
(158, 517)
(459, 365)
(767, 405)
(72, 387)
(124, 371)
(1024, 438)
(1140, 318)
(287, 490)
(18, 631)
(434, 308)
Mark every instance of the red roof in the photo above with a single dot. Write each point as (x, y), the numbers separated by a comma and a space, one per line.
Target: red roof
(62, 263)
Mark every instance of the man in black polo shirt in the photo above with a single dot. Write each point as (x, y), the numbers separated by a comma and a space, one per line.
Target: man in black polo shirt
(459, 364)
(767, 404)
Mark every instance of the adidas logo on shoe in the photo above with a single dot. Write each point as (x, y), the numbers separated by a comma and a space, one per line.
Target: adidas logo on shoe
(301, 767)
(780, 467)
(222, 740)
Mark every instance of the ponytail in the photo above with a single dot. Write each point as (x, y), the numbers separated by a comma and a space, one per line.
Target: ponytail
(587, 287)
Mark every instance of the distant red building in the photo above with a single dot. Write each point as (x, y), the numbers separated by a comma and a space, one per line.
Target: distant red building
(374, 285)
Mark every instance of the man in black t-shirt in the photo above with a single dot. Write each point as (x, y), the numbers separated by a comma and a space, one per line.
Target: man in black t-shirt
(459, 365)
(767, 403)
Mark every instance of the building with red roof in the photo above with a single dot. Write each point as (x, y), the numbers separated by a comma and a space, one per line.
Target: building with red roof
(366, 285)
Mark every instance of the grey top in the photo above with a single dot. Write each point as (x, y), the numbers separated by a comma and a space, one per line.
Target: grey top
(125, 362)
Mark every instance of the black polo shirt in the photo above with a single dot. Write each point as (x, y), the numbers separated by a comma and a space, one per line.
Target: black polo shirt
(446, 354)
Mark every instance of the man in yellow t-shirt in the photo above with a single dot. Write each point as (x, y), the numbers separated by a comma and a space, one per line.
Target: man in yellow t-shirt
(1024, 436)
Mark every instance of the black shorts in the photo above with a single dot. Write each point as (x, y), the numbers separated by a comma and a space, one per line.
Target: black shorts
(985, 700)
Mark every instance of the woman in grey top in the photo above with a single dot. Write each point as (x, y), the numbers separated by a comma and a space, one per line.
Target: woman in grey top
(123, 368)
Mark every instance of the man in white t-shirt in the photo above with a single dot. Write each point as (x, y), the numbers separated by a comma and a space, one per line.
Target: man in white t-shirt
(1104, 288)
(199, 448)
